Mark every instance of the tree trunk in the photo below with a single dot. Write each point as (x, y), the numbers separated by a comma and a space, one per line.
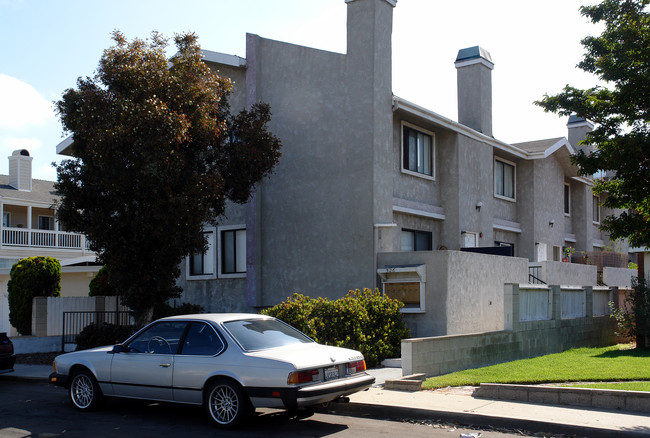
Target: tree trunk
(144, 318)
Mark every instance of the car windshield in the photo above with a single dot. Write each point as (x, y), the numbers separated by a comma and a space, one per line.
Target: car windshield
(259, 334)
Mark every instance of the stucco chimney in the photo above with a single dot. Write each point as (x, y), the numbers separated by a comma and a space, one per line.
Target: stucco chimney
(474, 80)
(369, 28)
(578, 128)
(20, 170)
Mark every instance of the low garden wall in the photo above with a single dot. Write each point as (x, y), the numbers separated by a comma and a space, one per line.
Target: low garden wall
(539, 320)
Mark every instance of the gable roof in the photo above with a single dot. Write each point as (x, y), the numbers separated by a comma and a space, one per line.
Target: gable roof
(42, 192)
(544, 148)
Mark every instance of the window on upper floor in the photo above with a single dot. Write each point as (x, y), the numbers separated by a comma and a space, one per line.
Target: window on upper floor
(504, 179)
(567, 199)
(232, 254)
(596, 209)
(413, 240)
(418, 151)
(201, 266)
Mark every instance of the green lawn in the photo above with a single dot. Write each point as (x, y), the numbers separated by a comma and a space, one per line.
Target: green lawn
(608, 364)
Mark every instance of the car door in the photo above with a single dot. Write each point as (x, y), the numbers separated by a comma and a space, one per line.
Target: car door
(198, 358)
(144, 368)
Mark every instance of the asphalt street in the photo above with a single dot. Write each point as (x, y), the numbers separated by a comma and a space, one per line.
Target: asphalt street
(38, 409)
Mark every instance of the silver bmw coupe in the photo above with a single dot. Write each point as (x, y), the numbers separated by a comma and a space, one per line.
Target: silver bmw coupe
(229, 363)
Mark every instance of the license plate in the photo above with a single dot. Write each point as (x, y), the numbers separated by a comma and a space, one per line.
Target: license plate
(331, 373)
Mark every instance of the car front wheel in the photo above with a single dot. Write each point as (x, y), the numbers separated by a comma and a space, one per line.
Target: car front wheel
(226, 403)
(84, 391)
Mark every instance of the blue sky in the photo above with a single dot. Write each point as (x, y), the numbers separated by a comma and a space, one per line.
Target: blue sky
(45, 45)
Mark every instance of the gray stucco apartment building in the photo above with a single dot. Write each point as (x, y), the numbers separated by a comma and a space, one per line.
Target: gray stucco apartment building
(369, 183)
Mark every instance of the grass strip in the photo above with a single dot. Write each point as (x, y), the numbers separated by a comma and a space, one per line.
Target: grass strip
(614, 363)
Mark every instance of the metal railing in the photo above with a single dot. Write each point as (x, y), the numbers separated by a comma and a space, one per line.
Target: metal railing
(75, 322)
(42, 238)
(535, 274)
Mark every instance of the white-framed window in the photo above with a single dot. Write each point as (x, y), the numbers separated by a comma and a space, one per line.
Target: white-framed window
(406, 284)
(413, 240)
(504, 179)
(418, 151)
(201, 266)
(596, 209)
(567, 199)
(6, 219)
(232, 251)
(46, 222)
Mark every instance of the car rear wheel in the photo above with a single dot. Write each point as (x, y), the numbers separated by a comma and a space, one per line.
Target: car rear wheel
(84, 391)
(226, 403)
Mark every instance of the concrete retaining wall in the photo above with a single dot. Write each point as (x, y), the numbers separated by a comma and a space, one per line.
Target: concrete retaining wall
(520, 339)
(593, 398)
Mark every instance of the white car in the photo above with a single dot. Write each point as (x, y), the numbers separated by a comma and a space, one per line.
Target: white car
(230, 363)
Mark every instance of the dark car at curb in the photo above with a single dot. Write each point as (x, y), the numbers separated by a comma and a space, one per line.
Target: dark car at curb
(7, 356)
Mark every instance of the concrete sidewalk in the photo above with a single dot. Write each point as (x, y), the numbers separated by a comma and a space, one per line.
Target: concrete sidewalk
(459, 406)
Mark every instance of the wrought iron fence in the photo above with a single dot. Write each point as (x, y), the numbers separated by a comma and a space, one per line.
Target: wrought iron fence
(75, 322)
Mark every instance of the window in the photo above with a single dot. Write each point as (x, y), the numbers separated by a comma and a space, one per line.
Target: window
(45, 223)
(6, 219)
(567, 199)
(201, 266)
(417, 151)
(406, 284)
(160, 338)
(201, 340)
(233, 251)
(596, 202)
(416, 240)
(504, 179)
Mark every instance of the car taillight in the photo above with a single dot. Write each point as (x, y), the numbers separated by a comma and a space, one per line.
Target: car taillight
(356, 367)
(297, 377)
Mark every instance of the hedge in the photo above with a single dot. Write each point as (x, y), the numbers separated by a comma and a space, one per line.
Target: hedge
(31, 277)
(367, 320)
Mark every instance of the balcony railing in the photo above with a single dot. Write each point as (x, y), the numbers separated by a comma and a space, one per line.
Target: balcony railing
(43, 239)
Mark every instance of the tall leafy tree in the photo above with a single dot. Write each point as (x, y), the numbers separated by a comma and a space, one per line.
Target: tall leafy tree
(620, 109)
(156, 155)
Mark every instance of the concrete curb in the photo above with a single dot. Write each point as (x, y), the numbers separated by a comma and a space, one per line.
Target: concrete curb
(363, 410)
(636, 401)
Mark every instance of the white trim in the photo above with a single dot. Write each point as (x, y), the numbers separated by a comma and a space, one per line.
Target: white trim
(506, 228)
(63, 145)
(566, 184)
(570, 238)
(514, 179)
(432, 134)
(211, 247)
(595, 222)
(393, 3)
(420, 213)
(416, 110)
(220, 230)
(479, 60)
(223, 58)
(598, 243)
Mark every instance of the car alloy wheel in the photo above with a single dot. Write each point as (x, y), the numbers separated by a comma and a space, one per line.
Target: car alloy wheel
(226, 404)
(84, 391)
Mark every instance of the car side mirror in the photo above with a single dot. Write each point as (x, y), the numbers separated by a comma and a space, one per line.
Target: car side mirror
(118, 348)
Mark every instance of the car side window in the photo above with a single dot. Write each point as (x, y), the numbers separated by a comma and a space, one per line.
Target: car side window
(160, 338)
(201, 339)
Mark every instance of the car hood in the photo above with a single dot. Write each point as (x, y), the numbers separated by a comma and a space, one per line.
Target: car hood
(308, 355)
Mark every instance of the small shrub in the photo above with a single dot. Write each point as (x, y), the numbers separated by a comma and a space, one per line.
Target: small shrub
(99, 335)
(31, 277)
(367, 320)
(633, 318)
(99, 286)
